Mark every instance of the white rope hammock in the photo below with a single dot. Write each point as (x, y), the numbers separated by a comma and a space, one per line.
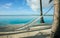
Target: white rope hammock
(30, 23)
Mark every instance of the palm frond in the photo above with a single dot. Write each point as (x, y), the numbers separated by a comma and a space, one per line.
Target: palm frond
(50, 1)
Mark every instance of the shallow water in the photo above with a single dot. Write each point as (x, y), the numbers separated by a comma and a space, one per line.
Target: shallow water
(4, 20)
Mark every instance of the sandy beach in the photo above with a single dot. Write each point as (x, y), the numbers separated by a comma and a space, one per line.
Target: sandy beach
(42, 31)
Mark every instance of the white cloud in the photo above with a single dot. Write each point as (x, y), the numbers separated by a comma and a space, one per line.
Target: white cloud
(7, 5)
(45, 3)
(35, 4)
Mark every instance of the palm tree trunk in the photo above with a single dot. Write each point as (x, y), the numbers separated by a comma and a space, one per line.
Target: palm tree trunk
(41, 19)
(56, 25)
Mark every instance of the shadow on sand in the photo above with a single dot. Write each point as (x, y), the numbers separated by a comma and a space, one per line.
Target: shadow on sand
(40, 35)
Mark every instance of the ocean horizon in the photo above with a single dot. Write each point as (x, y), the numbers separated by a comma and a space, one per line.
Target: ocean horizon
(5, 20)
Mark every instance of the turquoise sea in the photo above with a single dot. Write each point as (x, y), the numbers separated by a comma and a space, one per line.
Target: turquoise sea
(4, 20)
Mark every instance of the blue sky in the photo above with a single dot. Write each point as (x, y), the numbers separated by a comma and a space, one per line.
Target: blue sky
(23, 7)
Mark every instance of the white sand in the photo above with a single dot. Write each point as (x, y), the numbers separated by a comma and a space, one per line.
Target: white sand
(42, 33)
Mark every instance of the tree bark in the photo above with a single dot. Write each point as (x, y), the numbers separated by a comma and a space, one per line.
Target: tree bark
(56, 24)
(41, 12)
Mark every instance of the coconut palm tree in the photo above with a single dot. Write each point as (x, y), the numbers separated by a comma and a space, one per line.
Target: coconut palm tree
(56, 25)
(41, 13)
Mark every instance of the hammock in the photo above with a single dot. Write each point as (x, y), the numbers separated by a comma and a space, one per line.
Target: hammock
(29, 24)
